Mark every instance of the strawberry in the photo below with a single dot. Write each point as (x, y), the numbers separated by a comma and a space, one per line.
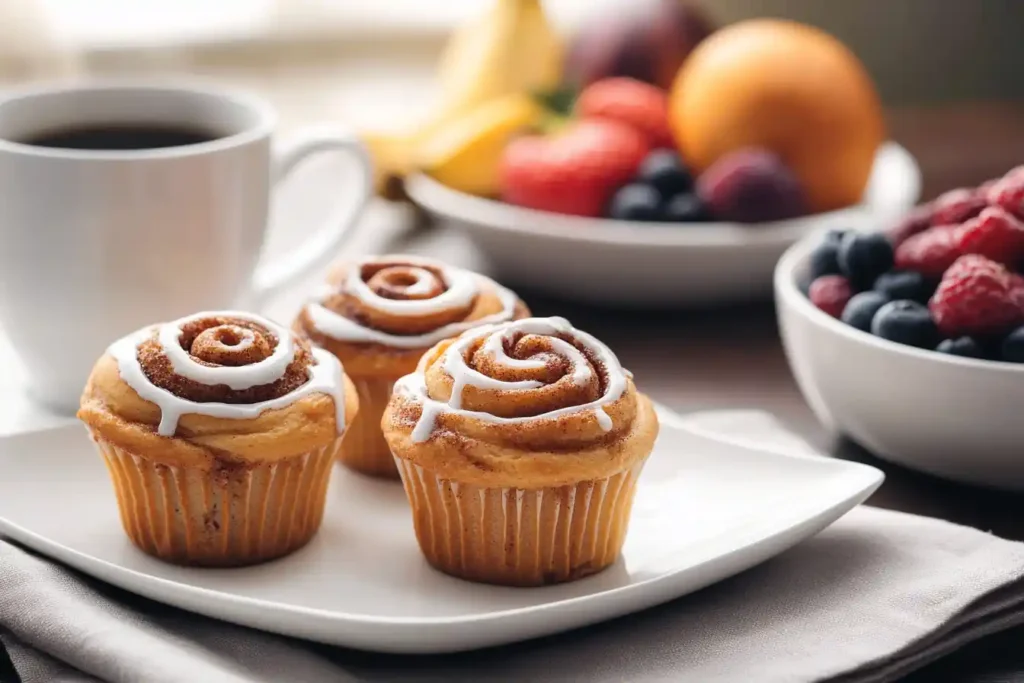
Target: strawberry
(977, 297)
(995, 234)
(916, 221)
(830, 293)
(573, 171)
(1008, 192)
(633, 102)
(930, 252)
(956, 206)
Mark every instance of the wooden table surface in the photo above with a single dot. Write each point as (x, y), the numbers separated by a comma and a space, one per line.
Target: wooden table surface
(733, 358)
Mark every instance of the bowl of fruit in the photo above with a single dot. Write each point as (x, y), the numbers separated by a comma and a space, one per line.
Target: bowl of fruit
(911, 341)
(662, 162)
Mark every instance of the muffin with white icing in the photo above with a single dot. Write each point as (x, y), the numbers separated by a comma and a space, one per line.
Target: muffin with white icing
(520, 446)
(379, 316)
(219, 431)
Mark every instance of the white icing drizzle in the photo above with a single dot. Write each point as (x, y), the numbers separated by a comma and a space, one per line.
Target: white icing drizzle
(268, 370)
(428, 418)
(462, 287)
(494, 347)
(325, 377)
(462, 375)
(454, 364)
(421, 285)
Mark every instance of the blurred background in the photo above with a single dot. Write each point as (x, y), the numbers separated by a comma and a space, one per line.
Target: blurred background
(360, 62)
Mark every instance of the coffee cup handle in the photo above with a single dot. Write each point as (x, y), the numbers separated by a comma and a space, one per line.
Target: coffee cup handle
(323, 245)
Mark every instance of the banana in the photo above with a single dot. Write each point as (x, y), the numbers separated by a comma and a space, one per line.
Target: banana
(392, 155)
(511, 49)
(466, 153)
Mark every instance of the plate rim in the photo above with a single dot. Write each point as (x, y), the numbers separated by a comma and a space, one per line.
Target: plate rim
(178, 593)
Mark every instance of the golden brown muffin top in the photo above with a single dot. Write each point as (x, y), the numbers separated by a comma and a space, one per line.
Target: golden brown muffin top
(526, 404)
(380, 315)
(217, 386)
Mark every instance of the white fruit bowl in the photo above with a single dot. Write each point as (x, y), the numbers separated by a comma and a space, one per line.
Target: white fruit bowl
(956, 418)
(598, 260)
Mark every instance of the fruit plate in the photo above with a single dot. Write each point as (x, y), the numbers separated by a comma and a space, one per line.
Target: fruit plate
(705, 510)
(597, 260)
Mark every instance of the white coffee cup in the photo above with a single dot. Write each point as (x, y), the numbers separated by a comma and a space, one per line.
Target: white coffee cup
(97, 243)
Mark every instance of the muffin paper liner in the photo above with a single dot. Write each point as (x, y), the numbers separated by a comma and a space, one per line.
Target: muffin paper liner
(519, 537)
(234, 515)
(364, 449)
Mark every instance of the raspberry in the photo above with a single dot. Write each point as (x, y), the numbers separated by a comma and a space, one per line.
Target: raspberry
(930, 252)
(995, 234)
(917, 221)
(1017, 172)
(977, 297)
(956, 206)
(830, 293)
(1008, 192)
(986, 186)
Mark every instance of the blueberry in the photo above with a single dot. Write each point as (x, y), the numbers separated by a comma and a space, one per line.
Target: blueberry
(685, 208)
(635, 202)
(861, 309)
(863, 257)
(1012, 348)
(961, 346)
(905, 284)
(665, 171)
(823, 259)
(905, 322)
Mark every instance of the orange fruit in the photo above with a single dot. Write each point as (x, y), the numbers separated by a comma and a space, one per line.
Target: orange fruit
(787, 87)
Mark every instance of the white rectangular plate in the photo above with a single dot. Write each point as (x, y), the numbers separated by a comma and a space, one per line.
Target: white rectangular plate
(704, 510)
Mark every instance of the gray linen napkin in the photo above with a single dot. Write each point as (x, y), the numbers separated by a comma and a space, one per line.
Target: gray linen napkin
(873, 597)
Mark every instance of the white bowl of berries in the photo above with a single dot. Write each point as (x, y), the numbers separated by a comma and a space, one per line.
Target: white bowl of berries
(688, 261)
(911, 342)
(600, 204)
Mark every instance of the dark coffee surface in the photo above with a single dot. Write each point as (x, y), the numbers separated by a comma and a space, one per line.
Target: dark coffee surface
(116, 136)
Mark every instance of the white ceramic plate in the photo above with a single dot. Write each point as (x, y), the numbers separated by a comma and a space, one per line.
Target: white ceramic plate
(704, 511)
(627, 263)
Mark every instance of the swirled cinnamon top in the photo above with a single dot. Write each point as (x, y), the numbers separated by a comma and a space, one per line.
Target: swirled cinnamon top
(398, 306)
(228, 365)
(536, 385)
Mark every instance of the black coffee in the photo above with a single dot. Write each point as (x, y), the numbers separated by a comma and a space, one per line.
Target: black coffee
(120, 137)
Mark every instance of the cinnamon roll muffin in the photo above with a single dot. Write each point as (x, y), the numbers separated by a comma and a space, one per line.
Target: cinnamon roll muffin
(379, 316)
(219, 431)
(519, 446)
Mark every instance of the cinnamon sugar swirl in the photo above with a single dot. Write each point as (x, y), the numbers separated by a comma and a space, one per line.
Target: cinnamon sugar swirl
(519, 446)
(379, 316)
(219, 431)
